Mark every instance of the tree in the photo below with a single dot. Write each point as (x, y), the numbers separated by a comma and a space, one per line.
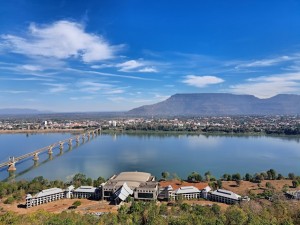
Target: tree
(194, 176)
(235, 215)
(269, 185)
(98, 182)
(207, 176)
(219, 183)
(79, 179)
(271, 174)
(229, 178)
(280, 177)
(248, 177)
(295, 183)
(216, 209)
(291, 176)
(165, 175)
(89, 181)
(236, 176)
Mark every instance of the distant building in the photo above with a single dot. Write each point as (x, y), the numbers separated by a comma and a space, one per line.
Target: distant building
(224, 196)
(175, 189)
(138, 184)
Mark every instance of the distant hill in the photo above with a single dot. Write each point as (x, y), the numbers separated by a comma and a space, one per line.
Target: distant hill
(17, 111)
(217, 104)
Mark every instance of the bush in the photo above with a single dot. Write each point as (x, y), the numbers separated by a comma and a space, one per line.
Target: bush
(9, 200)
(76, 203)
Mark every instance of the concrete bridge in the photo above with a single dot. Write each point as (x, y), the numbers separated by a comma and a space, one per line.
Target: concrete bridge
(11, 163)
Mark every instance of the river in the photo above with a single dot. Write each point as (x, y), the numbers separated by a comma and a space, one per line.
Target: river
(108, 154)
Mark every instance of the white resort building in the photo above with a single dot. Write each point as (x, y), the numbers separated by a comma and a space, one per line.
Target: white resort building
(293, 194)
(54, 194)
(88, 192)
(224, 196)
(138, 184)
(174, 189)
(44, 196)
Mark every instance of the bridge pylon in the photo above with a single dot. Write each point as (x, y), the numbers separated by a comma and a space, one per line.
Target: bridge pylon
(70, 143)
(36, 156)
(12, 164)
(50, 152)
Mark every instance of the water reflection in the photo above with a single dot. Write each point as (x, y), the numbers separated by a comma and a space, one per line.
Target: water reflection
(176, 153)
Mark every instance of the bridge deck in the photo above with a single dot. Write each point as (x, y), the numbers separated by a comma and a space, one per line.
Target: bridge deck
(27, 155)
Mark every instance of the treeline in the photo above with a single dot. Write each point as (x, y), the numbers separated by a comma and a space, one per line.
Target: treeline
(18, 189)
(242, 129)
(270, 174)
(250, 213)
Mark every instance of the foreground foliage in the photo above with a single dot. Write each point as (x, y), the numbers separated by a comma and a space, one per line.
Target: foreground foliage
(251, 213)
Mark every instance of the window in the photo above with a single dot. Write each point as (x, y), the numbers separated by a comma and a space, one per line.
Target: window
(145, 195)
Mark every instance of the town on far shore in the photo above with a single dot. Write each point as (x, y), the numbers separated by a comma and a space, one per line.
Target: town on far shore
(270, 125)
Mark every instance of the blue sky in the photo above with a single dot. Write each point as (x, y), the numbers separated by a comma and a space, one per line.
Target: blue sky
(116, 55)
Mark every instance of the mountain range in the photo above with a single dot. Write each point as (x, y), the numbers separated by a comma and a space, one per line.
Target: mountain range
(220, 104)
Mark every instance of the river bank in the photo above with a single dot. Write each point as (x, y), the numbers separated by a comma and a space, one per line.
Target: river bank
(41, 131)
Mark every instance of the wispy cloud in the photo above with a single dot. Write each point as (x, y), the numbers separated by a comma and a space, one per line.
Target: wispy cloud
(92, 87)
(56, 88)
(62, 40)
(265, 62)
(31, 67)
(82, 98)
(110, 74)
(26, 79)
(13, 91)
(201, 81)
(268, 86)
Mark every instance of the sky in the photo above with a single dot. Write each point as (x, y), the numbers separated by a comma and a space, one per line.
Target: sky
(115, 55)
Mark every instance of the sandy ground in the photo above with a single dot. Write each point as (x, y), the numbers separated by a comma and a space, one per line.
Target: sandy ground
(246, 186)
(87, 206)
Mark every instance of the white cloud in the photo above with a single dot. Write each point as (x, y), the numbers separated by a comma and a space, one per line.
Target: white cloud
(129, 65)
(62, 40)
(268, 86)
(201, 81)
(102, 66)
(135, 66)
(265, 62)
(148, 70)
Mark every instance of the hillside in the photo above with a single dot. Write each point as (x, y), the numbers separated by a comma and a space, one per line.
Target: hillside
(218, 104)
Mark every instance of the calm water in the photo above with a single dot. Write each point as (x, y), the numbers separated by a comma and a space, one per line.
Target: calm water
(108, 154)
